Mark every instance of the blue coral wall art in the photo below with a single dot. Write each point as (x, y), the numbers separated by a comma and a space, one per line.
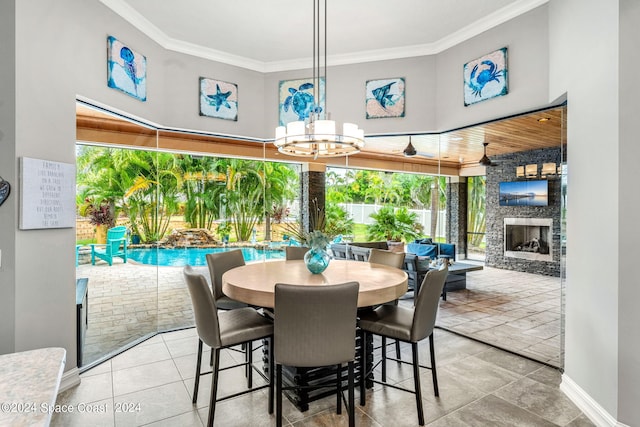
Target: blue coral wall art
(126, 69)
(486, 77)
(218, 99)
(385, 98)
(296, 99)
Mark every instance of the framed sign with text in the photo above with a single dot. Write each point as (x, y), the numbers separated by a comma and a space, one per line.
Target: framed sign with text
(47, 194)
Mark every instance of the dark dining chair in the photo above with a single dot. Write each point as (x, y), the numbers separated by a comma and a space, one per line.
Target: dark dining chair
(295, 252)
(316, 326)
(392, 259)
(359, 254)
(219, 263)
(222, 330)
(386, 257)
(406, 325)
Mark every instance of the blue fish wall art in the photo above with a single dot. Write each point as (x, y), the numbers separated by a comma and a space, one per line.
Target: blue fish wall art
(385, 98)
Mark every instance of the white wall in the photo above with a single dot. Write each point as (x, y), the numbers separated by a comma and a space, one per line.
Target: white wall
(583, 63)
(8, 171)
(346, 94)
(172, 78)
(434, 89)
(526, 38)
(629, 200)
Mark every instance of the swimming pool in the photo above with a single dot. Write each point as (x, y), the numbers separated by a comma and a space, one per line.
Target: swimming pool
(179, 257)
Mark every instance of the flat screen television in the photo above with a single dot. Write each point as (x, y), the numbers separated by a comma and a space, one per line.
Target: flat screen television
(524, 193)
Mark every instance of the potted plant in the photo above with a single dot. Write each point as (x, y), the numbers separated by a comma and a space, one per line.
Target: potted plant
(394, 226)
(101, 215)
(224, 229)
(279, 214)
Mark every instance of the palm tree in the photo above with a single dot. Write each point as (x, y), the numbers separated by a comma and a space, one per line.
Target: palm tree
(429, 191)
(153, 197)
(476, 221)
(337, 189)
(244, 195)
(143, 185)
(280, 185)
(203, 184)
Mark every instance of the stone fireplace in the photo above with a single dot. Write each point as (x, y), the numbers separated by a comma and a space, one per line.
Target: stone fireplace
(542, 222)
(528, 238)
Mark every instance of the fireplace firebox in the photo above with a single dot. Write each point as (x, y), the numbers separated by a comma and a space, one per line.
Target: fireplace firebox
(528, 238)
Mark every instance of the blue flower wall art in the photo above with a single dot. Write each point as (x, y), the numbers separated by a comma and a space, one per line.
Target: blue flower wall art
(218, 99)
(486, 77)
(295, 100)
(385, 98)
(126, 69)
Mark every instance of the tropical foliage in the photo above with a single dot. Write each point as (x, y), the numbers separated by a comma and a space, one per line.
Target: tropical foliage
(337, 220)
(476, 221)
(143, 185)
(412, 191)
(394, 224)
(99, 213)
(150, 187)
(203, 188)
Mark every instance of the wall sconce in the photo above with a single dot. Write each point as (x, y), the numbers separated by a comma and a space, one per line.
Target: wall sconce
(548, 169)
(531, 171)
(520, 172)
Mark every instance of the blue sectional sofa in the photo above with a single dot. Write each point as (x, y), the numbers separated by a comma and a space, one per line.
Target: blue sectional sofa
(425, 247)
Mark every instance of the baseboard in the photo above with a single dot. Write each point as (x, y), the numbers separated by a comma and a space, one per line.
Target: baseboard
(592, 409)
(71, 378)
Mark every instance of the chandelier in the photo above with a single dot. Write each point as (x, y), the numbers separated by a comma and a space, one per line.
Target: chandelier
(316, 135)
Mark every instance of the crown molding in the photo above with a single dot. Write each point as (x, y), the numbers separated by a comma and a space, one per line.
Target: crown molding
(490, 21)
(501, 16)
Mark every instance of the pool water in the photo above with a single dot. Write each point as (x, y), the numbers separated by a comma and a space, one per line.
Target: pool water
(193, 256)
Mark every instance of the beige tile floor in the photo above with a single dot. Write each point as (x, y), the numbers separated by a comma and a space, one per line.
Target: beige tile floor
(479, 386)
(515, 311)
(519, 312)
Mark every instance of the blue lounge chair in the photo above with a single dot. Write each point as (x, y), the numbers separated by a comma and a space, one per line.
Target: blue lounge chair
(116, 246)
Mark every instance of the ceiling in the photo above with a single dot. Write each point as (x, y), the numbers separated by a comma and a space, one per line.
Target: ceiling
(266, 36)
(276, 35)
(456, 149)
(540, 129)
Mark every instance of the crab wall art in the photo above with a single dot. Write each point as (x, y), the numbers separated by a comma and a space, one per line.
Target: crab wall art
(486, 77)
(126, 69)
(296, 99)
(218, 99)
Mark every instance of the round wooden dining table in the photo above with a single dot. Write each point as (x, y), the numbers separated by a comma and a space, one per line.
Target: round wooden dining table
(255, 283)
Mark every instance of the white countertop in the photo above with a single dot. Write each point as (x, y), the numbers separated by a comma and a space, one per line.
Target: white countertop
(29, 382)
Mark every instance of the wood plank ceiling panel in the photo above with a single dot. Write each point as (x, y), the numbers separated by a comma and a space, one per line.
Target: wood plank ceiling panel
(453, 150)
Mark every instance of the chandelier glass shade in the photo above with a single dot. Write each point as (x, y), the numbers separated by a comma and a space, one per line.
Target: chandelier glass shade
(317, 135)
(318, 138)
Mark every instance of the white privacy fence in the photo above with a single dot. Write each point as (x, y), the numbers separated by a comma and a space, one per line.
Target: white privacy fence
(360, 213)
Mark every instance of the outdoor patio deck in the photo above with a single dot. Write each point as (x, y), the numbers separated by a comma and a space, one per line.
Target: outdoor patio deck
(519, 312)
